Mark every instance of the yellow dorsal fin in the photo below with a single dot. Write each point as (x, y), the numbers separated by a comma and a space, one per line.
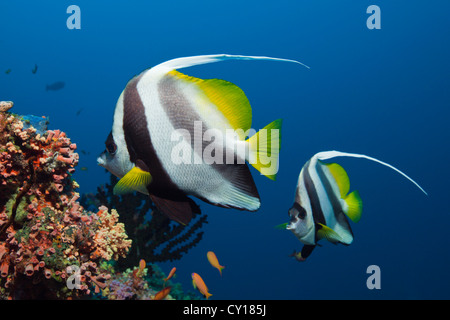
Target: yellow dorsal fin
(328, 233)
(341, 178)
(230, 100)
(353, 207)
(135, 180)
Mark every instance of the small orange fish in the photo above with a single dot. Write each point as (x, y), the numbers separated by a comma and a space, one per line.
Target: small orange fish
(162, 294)
(199, 284)
(142, 264)
(172, 272)
(214, 262)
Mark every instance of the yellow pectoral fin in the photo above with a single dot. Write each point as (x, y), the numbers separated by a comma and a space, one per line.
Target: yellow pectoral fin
(328, 233)
(135, 180)
(281, 226)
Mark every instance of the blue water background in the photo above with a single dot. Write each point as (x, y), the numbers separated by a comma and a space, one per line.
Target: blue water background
(384, 93)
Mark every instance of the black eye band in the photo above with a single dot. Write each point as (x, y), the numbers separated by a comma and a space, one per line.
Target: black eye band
(111, 146)
(301, 211)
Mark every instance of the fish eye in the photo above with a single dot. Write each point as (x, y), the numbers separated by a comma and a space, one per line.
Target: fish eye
(111, 148)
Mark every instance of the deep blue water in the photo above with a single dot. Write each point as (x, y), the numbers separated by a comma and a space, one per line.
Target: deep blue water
(384, 93)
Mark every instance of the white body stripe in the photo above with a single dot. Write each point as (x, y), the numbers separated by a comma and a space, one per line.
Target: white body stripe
(307, 234)
(121, 163)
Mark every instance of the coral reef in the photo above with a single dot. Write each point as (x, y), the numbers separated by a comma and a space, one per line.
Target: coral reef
(155, 237)
(49, 245)
(143, 282)
(131, 285)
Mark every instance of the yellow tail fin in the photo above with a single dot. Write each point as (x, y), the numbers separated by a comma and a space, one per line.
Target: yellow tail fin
(264, 149)
(354, 206)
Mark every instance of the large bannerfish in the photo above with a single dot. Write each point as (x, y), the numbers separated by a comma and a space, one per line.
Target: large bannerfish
(175, 136)
(323, 202)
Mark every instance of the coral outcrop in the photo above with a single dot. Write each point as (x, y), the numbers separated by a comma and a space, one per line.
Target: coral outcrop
(50, 246)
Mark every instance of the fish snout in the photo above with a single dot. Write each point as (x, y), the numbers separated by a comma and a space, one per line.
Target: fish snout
(293, 223)
(101, 160)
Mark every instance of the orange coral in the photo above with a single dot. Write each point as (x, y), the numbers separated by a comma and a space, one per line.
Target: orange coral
(44, 231)
(110, 239)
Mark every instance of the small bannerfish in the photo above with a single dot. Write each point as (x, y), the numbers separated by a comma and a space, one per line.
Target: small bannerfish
(158, 143)
(322, 203)
(199, 284)
(55, 86)
(162, 294)
(214, 262)
(172, 272)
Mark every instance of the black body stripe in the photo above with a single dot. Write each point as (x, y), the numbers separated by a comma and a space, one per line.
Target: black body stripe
(312, 195)
(139, 143)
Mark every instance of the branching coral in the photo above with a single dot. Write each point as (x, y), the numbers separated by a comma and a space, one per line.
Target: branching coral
(49, 245)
